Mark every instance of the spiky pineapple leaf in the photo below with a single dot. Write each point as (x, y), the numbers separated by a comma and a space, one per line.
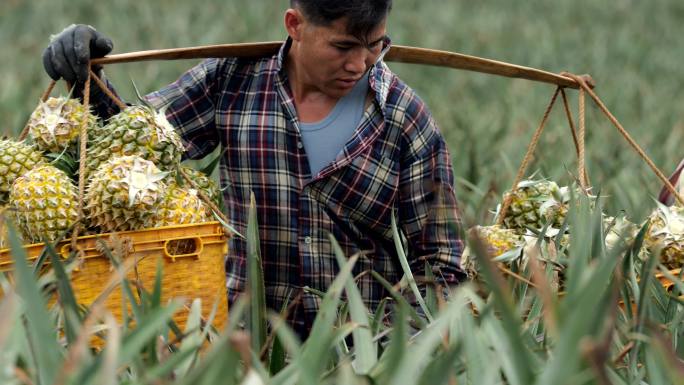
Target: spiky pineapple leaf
(41, 333)
(365, 350)
(255, 281)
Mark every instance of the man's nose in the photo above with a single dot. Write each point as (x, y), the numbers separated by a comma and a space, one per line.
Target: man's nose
(357, 61)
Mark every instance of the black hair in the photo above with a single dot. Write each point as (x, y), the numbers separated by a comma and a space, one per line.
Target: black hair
(362, 15)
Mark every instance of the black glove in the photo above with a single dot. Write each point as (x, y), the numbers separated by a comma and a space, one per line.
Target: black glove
(68, 53)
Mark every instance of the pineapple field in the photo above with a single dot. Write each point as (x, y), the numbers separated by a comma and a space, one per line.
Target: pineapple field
(572, 278)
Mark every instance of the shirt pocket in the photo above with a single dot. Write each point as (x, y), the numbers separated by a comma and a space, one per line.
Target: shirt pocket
(363, 192)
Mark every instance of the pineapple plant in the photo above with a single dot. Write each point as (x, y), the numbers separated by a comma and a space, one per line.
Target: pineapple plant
(137, 130)
(666, 234)
(535, 203)
(124, 193)
(16, 159)
(44, 203)
(55, 124)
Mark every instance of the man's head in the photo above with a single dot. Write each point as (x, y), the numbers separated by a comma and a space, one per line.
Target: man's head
(335, 42)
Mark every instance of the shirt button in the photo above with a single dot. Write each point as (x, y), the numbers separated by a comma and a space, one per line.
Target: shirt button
(307, 240)
(300, 145)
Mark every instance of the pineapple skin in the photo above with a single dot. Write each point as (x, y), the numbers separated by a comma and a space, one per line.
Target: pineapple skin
(203, 183)
(16, 159)
(180, 206)
(123, 194)
(532, 204)
(496, 239)
(137, 130)
(44, 203)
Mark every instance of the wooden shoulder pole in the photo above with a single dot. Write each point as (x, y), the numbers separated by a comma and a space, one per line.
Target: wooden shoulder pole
(396, 53)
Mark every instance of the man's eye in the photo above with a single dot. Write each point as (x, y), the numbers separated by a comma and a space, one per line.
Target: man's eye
(343, 47)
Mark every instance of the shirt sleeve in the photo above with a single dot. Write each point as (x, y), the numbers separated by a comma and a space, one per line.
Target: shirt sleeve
(190, 104)
(428, 212)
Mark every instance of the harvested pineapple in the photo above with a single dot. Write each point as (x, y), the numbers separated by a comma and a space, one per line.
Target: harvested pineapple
(497, 241)
(203, 183)
(55, 124)
(16, 159)
(180, 206)
(535, 203)
(139, 131)
(124, 193)
(666, 235)
(44, 203)
(3, 228)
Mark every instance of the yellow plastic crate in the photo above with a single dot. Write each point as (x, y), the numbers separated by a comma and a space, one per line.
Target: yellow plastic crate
(192, 258)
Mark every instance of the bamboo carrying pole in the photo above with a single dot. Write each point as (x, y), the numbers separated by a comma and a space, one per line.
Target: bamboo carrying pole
(397, 53)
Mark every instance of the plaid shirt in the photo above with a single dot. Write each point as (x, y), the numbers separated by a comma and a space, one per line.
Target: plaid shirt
(396, 161)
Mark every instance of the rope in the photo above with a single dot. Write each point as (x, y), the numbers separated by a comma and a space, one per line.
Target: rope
(43, 98)
(581, 170)
(635, 146)
(573, 131)
(122, 106)
(528, 157)
(83, 139)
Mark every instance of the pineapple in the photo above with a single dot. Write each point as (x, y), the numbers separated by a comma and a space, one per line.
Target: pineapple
(619, 231)
(123, 194)
(534, 203)
(203, 183)
(666, 233)
(137, 130)
(16, 159)
(180, 206)
(44, 203)
(55, 124)
(497, 240)
(4, 242)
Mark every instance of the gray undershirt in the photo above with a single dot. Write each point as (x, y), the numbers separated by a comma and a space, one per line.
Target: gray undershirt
(325, 139)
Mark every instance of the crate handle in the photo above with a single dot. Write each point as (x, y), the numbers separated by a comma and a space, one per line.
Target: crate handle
(173, 242)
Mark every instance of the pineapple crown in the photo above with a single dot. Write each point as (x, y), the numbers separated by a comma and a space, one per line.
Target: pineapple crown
(672, 219)
(52, 116)
(141, 178)
(163, 128)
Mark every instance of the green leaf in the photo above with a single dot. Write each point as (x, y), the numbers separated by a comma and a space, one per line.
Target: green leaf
(392, 358)
(407, 269)
(192, 338)
(365, 350)
(255, 281)
(512, 341)
(41, 333)
(209, 168)
(316, 350)
(70, 308)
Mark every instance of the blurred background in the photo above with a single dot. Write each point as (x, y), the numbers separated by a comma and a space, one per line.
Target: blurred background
(633, 49)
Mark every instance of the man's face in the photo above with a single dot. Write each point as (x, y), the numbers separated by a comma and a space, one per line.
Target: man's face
(331, 60)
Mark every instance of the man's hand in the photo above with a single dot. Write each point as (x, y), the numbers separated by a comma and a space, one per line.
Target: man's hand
(69, 52)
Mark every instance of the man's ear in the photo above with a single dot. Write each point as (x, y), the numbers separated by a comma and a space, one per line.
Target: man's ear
(294, 23)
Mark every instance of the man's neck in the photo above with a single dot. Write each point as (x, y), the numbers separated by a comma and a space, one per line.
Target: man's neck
(311, 104)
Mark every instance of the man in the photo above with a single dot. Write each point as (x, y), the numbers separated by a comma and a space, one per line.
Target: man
(329, 140)
(677, 181)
